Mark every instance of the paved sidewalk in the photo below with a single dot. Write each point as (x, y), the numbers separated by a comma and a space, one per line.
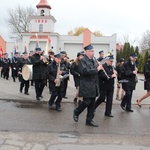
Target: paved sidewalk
(62, 141)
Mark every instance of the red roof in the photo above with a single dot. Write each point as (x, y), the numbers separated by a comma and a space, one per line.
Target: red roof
(43, 4)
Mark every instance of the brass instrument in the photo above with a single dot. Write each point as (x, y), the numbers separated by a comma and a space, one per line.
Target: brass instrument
(44, 58)
(58, 77)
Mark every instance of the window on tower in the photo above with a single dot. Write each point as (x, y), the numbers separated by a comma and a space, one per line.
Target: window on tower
(41, 28)
(42, 12)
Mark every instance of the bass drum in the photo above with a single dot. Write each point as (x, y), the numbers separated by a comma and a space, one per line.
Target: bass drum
(27, 72)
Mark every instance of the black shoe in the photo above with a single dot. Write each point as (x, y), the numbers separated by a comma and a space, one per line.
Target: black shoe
(75, 101)
(50, 107)
(20, 91)
(129, 110)
(123, 107)
(92, 124)
(58, 108)
(26, 93)
(75, 116)
(65, 97)
(41, 96)
(79, 102)
(139, 104)
(38, 98)
(109, 115)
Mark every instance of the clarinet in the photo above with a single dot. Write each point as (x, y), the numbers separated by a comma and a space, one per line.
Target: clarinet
(103, 68)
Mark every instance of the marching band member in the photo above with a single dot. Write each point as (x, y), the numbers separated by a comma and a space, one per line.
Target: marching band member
(14, 65)
(50, 56)
(101, 56)
(22, 61)
(6, 64)
(39, 72)
(55, 71)
(30, 55)
(88, 68)
(146, 82)
(67, 64)
(129, 73)
(74, 70)
(119, 77)
(106, 85)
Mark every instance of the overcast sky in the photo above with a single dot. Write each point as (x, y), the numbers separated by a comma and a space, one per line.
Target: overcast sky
(124, 17)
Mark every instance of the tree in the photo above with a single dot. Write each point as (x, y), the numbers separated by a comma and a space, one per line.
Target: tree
(19, 21)
(140, 64)
(145, 40)
(78, 30)
(97, 33)
(137, 50)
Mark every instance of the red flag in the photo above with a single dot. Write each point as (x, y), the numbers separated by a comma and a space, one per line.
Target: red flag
(1, 52)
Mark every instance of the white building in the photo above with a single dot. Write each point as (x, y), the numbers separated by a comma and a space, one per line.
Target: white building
(43, 24)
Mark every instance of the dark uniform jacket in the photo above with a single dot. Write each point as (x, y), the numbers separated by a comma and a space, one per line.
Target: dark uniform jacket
(147, 76)
(106, 83)
(74, 70)
(6, 63)
(14, 63)
(22, 62)
(119, 72)
(51, 73)
(88, 78)
(39, 67)
(0, 62)
(127, 73)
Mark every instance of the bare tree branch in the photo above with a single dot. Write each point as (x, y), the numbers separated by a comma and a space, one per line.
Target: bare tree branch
(19, 21)
(145, 41)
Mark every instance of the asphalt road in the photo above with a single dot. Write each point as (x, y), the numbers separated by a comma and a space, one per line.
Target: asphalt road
(28, 124)
(36, 117)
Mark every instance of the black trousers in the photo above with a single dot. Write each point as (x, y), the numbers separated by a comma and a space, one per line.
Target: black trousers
(126, 101)
(109, 99)
(2, 72)
(89, 104)
(24, 83)
(39, 87)
(14, 74)
(59, 95)
(65, 87)
(6, 73)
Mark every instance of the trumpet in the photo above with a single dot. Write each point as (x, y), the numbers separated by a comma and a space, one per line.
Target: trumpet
(44, 58)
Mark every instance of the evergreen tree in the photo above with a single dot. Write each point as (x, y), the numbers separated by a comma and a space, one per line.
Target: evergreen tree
(137, 50)
(140, 64)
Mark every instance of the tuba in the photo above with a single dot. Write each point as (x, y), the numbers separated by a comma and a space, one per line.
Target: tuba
(58, 76)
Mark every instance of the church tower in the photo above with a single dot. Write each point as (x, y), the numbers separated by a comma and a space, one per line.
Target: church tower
(43, 22)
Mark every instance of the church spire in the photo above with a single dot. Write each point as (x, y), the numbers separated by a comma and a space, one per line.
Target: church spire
(43, 4)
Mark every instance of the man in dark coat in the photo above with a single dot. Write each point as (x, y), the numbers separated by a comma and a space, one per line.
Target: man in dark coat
(106, 85)
(23, 83)
(14, 65)
(39, 72)
(101, 56)
(64, 60)
(6, 64)
(129, 72)
(55, 72)
(88, 68)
